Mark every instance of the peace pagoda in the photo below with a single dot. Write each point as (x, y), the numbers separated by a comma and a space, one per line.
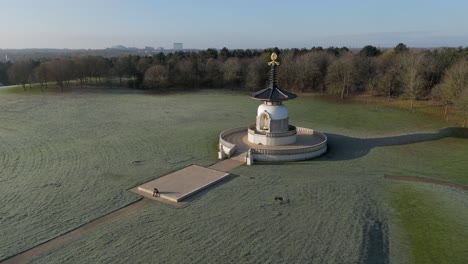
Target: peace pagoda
(272, 138)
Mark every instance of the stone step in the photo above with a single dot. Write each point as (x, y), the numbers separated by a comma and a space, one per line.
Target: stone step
(241, 157)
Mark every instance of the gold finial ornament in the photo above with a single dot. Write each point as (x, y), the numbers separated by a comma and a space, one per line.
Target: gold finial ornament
(274, 56)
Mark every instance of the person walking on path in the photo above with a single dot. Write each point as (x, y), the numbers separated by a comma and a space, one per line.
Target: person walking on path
(156, 192)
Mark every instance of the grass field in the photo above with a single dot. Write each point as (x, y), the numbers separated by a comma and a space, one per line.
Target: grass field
(424, 211)
(66, 159)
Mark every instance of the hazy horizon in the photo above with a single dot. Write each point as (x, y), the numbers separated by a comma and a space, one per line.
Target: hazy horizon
(240, 24)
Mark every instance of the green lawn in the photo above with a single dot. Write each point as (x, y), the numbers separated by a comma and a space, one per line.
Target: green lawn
(30, 90)
(35, 88)
(66, 158)
(436, 227)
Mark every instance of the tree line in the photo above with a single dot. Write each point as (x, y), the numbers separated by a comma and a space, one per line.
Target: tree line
(398, 72)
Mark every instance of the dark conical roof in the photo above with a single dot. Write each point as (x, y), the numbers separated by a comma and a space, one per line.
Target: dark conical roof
(273, 92)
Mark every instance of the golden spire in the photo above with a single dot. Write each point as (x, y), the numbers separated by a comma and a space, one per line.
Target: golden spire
(273, 59)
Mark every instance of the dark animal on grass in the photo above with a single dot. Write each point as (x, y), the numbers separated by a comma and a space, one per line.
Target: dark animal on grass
(282, 201)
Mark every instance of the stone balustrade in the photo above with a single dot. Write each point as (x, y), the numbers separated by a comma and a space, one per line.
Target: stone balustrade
(291, 131)
(271, 154)
(228, 147)
(295, 151)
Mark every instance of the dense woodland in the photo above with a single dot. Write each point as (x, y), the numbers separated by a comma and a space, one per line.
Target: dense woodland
(437, 74)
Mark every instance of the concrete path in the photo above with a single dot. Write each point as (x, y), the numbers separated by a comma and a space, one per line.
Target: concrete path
(227, 164)
(54, 243)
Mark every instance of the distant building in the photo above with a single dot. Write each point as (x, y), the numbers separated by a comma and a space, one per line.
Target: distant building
(178, 46)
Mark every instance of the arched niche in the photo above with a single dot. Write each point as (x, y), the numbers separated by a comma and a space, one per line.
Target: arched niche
(265, 121)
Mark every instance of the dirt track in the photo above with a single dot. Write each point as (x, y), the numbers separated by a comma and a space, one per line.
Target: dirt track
(433, 181)
(27, 255)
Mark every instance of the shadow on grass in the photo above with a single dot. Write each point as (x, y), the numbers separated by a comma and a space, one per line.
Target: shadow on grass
(375, 244)
(346, 148)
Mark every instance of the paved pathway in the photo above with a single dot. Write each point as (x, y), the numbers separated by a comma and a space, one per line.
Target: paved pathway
(227, 164)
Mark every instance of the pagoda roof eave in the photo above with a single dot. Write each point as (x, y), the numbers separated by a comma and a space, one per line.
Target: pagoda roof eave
(273, 94)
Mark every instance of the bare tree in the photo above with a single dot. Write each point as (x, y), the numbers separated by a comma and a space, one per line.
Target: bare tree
(340, 77)
(95, 67)
(143, 64)
(21, 73)
(307, 71)
(101, 69)
(287, 70)
(388, 79)
(42, 75)
(185, 73)
(82, 69)
(453, 83)
(60, 71)
(323, 60)
(253, 79)
(231, 71)
(68, 67)
(412, 74)
(213, 72)
(156, 76)
(372, 80)
(3, 73)
(122, 67)
(462, 104)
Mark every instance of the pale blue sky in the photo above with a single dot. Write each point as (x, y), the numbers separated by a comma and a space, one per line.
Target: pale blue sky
(234, 24)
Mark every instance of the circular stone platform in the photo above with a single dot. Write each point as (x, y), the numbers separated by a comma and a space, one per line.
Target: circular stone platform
(309, 144)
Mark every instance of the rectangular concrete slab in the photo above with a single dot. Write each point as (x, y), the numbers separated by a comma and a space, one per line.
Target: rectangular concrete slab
(159, 199)
(181, 184)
